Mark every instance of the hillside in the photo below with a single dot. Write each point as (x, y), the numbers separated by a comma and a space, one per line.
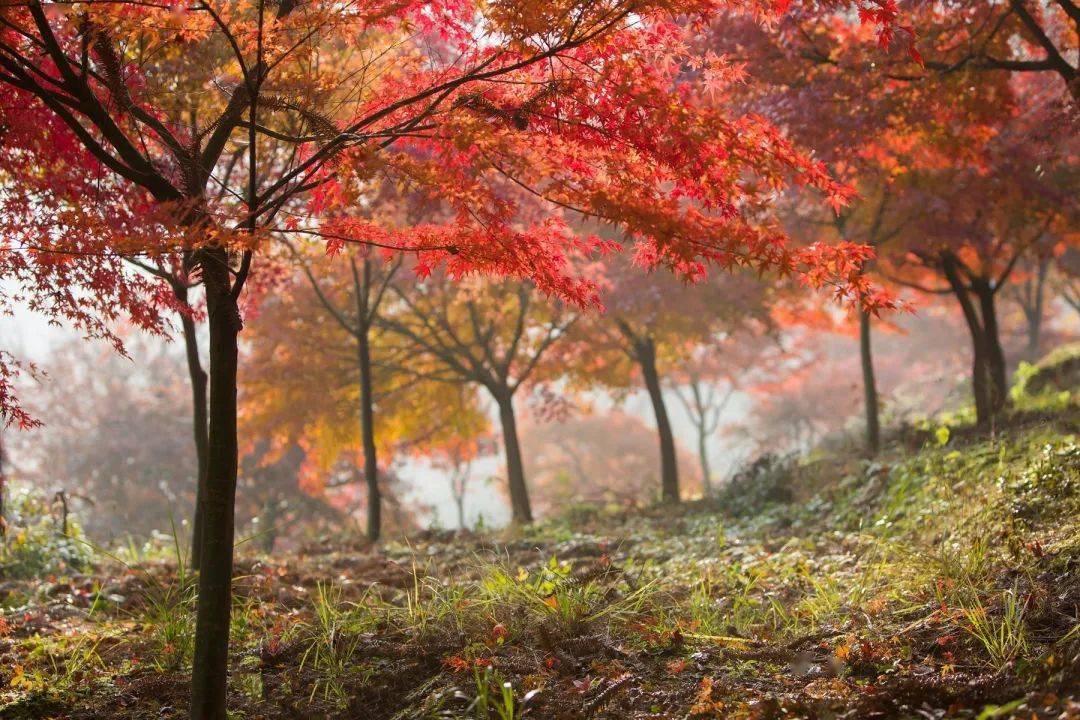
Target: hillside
(942, 580)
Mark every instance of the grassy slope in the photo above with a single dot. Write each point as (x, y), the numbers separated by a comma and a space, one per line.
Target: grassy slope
(940, 582)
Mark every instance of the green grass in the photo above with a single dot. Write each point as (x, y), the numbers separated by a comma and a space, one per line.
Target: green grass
(936, 557)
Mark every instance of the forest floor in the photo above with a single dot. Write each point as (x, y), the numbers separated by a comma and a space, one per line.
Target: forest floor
(942, 580)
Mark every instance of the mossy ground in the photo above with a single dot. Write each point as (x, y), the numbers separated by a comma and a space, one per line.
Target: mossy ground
(937, 581)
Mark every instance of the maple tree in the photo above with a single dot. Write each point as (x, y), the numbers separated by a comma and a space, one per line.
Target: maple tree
(1067, 270)
(1029, 292)
(495, 336)
(79, 287)
(861, 145)
(903, 126)
(961, 245)
(456, 454)
(358, 319)
(323, 375)
(868, 220)
(1018, 36)
(163, 104)
(177, 274)
(651, 322)
(707, 377)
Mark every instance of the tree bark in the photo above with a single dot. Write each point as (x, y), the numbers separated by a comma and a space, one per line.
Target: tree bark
(211, 659)
(1033, 304)
(984, 412)
(199, 423)
(367, 432)
(645, 350)
(3, 483)
(1034, 337)
(870, 393)
(997, 370)
(515, 469)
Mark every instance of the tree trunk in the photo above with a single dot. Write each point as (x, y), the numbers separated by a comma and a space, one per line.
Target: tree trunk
(268, 537)
(3, 483)
(1034, 336)
(515, 469)
(870, 393)
(645, 350)
(1033, 310)
(459, 503)
(984, 413)
(997, 370)
(211, 660)
(197, 377)
(367, 432)
(703, 455)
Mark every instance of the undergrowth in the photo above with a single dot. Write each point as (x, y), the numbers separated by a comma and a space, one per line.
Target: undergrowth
(945, 578)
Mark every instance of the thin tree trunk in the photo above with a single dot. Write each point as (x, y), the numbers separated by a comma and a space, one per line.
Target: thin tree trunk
(979, 370)
(997, 371)
(364, 319)
(1034, 310)
(459, 503)
(1034, 337)
(459, 481)
(645, 351)
(3, 484)
(270, 511)
(703, 458)
(367, 432)
(197, 378)
(211, 658)
(699, 415)
(870, 393)
(515, 469)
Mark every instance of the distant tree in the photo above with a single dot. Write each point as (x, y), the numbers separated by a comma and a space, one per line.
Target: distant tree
(455, 457)
(1068, 267)
(322, 376)
(959, 243)
(704, 402)
(867, 220)
(601, 459)
(652, 322)
(1029, 292)
(497, 336)
(357, 316)
(116, 446)
(706, 378)
(580, 103)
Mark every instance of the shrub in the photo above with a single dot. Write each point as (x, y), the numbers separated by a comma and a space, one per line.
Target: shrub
(768, 480)
(1056, 374)
(36, 544)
